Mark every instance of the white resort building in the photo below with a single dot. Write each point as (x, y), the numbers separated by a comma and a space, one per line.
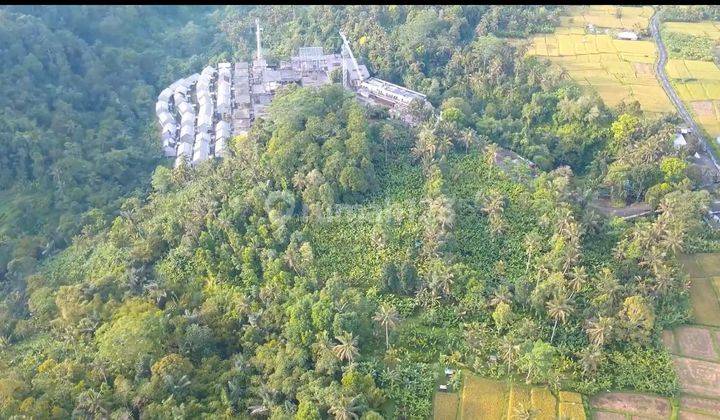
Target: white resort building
(199, 114)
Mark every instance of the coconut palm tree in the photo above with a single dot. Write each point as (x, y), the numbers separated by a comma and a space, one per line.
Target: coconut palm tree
(491, 151)
(347, 350)
(559, 309)
(345, 408)
(468, 138)
(264, 405)
(578, 277)
(599, 331)
(532, 244)
(509, 351)
(388, 317)
(89, 404)
(501, 295)
(590, 358)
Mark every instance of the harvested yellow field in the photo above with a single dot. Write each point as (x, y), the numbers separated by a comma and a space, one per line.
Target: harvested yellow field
(619, 17)
(570, 397)
(571, 411)
(483, 399)
(519, 402)
(544, 403)
(445, 406)
(618, 70)
(697, 83)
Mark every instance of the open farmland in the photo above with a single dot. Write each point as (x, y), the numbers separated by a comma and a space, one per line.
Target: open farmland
(490, 399)
(705, 29)
(697, 82)
(604, 16)
(618, 70)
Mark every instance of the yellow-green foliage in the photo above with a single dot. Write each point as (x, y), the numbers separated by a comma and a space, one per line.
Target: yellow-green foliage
(544, 403)
(483, 399)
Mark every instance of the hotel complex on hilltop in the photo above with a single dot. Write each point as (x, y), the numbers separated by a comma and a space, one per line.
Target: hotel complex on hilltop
(199, 114)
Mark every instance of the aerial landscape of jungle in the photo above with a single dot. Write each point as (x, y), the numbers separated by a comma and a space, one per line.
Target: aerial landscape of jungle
(360, 212)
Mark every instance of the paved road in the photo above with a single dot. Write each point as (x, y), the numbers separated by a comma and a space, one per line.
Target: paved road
(660, 71)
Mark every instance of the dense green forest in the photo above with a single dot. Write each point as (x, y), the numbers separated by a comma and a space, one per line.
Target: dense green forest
(328, 265)
(76, 115)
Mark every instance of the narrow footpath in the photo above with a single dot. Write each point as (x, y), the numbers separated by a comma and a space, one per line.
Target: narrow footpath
(679, 105)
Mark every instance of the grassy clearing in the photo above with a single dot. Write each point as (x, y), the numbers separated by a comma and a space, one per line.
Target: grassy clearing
(706, 309)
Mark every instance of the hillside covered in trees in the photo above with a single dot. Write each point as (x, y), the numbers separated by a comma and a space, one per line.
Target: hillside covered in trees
(328, 265)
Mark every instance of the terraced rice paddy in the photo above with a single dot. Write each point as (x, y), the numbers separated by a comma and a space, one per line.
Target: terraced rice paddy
(445, 406)
(618, 70)
(489, 399)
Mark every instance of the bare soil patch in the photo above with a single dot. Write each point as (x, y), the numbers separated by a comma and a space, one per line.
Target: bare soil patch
(698, 376)
(689, 415)
(703, 108)
(702, 405)
(695, 342)
(606, 415)
(643, 68)
(640, 404)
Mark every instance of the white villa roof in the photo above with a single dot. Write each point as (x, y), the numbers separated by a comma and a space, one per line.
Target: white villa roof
(161, 106)
(165, 118)
(187, 133)
(222, 130)
(170, 127)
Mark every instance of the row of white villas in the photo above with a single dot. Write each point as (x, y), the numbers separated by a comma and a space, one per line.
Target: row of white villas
(222, 101)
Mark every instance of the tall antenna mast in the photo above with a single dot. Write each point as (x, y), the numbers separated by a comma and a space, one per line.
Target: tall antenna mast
(352, 56)
(257, 38)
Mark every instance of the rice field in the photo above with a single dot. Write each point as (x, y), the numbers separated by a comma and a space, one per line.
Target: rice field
(490, 399)
(618, 70)
(697, 82)
(445, 406)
